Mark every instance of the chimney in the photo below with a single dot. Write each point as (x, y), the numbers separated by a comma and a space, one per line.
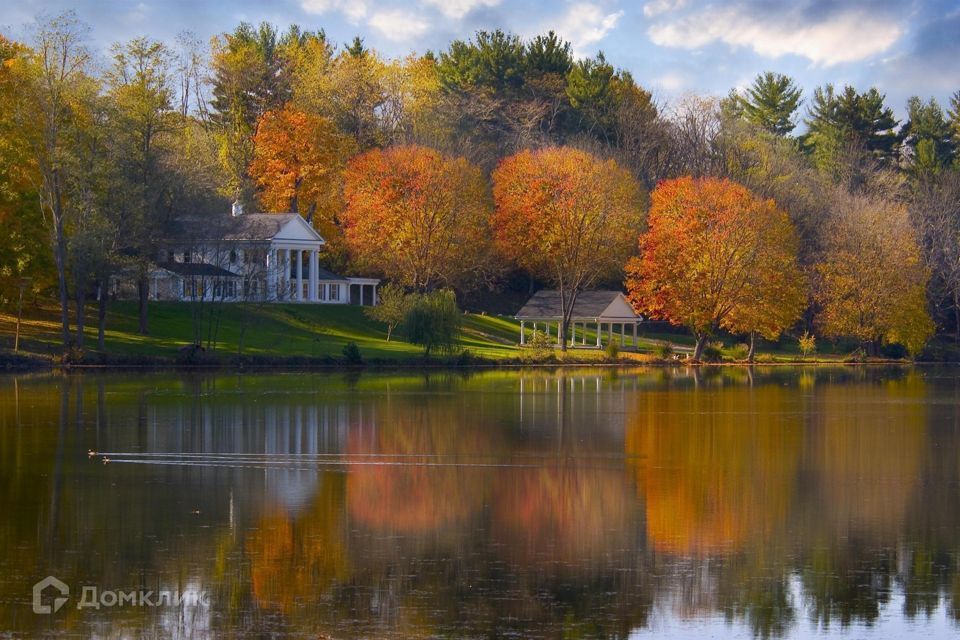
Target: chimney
(237, 209)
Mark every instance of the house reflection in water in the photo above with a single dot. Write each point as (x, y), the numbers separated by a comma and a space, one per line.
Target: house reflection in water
(567, 502)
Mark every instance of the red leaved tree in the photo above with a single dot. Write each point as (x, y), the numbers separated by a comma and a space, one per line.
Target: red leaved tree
(417, 216)
(716, 255)
(298, 163)
(567, 217)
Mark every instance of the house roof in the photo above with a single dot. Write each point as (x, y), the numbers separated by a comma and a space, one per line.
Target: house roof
(607, 305)
(323, 274)
(196, 269)
(249, 227)
(256, 226)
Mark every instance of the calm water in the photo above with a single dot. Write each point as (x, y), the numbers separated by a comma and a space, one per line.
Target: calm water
(579, 504)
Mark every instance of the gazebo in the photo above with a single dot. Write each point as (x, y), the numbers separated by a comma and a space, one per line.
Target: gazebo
(601, 309)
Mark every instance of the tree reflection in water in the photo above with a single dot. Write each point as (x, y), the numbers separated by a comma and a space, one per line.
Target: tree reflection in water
(554, 504)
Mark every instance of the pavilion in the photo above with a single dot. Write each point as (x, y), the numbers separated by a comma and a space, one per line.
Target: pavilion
(604, 310)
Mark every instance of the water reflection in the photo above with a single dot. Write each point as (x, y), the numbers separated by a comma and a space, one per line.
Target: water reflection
(540, 504)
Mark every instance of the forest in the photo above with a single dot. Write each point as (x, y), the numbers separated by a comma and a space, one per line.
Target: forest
(497, 164)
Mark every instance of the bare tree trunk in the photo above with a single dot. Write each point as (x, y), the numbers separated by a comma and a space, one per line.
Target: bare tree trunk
(60, 257)
(956, 316)
(701, 343)
(16, 339)
(566, 312)
(80, 300)
(753, 346)
(102, 314)
(143, 295)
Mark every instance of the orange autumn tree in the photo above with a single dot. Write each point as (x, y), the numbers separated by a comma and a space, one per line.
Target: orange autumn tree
(567, 217)
(417, 216)
(297, 164)
(716, 255)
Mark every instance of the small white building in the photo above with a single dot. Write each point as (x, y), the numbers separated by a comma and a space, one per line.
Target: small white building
(265, 257)
(593, 310)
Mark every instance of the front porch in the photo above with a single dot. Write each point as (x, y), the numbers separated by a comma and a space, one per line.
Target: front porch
(298, 277)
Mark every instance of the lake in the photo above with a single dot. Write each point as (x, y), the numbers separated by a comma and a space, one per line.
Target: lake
(576, 503)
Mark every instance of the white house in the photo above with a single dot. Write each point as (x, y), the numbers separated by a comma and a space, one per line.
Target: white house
(268, 257)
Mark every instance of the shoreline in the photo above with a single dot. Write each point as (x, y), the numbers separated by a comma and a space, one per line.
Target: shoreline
(28, 364)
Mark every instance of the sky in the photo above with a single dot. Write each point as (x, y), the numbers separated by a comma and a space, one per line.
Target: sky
(672, 47)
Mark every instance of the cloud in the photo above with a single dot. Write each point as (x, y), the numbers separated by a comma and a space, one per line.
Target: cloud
(353, 10)
(848, 34)
(658, 7)
(399, 25)
(931, 62)
(585, 24)
(457, 9)
(671, 82)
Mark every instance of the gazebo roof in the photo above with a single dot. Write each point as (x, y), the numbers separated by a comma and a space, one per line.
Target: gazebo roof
(593, 305)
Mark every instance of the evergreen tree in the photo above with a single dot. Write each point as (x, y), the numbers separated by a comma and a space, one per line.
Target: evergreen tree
(954, 116)
(927, 137)
(850, 119)
(770, 102)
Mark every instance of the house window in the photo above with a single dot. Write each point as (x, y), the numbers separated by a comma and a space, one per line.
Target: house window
(233, 256)
(193, 288)
(187, 257)
(334, 292)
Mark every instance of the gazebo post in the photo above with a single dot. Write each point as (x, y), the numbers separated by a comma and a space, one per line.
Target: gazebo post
(523, 339)
(599, 333)
(573, 333)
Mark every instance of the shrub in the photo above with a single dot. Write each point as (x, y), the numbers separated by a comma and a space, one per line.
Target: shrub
(391, 308)
(807, 343)
(857, 355)
(433, 321)
(664, 351)
(612, 350)
(740, 351)
(541, 343)
(712, 352)
(351, 353)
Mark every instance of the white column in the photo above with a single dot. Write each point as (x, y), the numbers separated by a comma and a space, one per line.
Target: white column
(375, 300)
(287, 262)
(523, 341)
(573, 334)
(599, 332)
(314, 274)
(270, 266)
(299, 295)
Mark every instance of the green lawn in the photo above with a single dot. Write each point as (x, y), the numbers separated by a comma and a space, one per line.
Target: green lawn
(278, 331)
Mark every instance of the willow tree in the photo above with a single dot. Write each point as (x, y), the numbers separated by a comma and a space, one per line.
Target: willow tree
(567, 217)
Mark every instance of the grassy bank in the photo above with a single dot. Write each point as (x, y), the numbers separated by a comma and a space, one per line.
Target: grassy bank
(281, 334)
